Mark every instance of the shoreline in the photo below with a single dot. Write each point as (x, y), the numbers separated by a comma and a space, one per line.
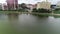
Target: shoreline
(7, 12)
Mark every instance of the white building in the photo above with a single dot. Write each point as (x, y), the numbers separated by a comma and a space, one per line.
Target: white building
(0, 6)
(58, 5)
(4, 6)
(31, 6)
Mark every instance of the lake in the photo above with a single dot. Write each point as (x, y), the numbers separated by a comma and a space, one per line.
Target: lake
(14, 23)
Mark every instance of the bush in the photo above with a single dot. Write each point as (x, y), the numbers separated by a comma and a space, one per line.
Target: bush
(23, 9)
(0, 9)
(20, 10)
(34, 10)
(41, 10)
(57, 9)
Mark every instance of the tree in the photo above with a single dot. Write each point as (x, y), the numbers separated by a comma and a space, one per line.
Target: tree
(41, 10)
(23, 6)
(44, 10)
(34, 10)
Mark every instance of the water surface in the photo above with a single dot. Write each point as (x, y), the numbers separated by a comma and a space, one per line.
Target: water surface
(29, 24)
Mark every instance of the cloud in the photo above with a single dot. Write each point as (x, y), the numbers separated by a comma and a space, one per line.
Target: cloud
(2, 1)
(31, 1)
(35, 1)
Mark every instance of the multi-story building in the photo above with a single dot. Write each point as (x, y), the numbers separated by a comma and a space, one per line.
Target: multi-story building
(53, 7)
(44, 5)
(0, 6)
(31, 6)
(12, 4)
(5, 7)
(58, 4)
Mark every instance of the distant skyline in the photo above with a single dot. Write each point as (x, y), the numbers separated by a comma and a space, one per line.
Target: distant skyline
(31, 1)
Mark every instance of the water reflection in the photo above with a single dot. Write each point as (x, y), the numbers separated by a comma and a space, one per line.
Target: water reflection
(56, 16)
(13, 20)
(40, 15)
(32, 24)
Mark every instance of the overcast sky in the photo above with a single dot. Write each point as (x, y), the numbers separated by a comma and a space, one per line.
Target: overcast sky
(31, 1)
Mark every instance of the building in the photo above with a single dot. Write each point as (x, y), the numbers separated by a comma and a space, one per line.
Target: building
(53, 7)
(58, 4)
(31, 6)
(0, 6)
(5, 7)
(12, 4)
(44, 5)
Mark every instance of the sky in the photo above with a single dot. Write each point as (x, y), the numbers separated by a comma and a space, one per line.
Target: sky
(31, 1)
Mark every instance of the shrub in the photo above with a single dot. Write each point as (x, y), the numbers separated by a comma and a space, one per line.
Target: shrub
(34, 10)
(41, 10)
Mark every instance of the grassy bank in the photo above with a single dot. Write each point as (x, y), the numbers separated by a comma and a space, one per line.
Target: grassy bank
(57, 12)
(7, 12)
(19, 12)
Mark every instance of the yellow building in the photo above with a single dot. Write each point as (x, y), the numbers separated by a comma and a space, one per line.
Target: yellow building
(44, 5)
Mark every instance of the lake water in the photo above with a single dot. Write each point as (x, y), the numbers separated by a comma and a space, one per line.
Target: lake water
(29, 24)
